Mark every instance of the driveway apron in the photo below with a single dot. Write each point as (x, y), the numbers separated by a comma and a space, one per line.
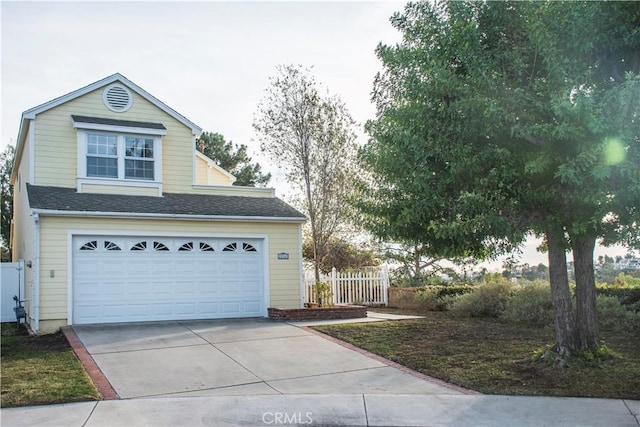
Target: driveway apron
(237, 357)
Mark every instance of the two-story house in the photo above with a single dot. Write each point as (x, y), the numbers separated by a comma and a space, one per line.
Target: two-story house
(119, 218)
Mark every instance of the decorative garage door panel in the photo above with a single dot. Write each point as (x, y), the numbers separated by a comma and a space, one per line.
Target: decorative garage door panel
(125, 279)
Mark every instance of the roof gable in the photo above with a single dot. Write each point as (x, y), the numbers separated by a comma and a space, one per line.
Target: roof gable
(117, 77)
(31, 113)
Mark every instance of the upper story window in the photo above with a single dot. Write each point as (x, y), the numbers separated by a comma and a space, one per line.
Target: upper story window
(119, 150)
(138, 161)
(102, 155)
(120, 156)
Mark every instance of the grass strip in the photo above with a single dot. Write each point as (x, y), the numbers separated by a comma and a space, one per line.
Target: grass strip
(40, 370)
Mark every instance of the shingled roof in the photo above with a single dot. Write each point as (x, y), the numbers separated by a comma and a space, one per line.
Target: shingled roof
(61, 200)
(115, 122)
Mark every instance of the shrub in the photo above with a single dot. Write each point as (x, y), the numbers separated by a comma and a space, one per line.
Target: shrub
(427, 298)
(487, 300)
(453, 290)
(626, 288)
(613, 314)
(440, 298)
(530, 304)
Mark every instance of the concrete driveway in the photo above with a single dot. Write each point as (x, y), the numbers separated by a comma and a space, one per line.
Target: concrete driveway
(237, 357)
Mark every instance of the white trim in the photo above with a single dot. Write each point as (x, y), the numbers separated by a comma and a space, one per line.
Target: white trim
(266, 251)
(131, 183)
(193, 161)
(118, 129)
(301, 267)
(227, 218)
(69, 277)
(71, 234)
(35, 274)
(213, 165)
(235, 190)
(32, 151)
(186, 234)
(81, 163)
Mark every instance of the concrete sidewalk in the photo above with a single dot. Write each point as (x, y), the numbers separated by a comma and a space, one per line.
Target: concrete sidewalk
(335, 409)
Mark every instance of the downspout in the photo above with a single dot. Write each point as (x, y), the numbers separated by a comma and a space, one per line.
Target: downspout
(36, 274)
(301, 266)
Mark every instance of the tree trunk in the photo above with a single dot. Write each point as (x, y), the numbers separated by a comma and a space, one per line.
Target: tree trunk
(560, 294)
(586, 314)
(316, 259)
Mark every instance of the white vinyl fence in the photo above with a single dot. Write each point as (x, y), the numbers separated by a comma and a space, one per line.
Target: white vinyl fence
(368, 286)
(11, 284)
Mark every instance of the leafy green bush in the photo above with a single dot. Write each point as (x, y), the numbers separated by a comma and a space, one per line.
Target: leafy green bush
(440, 297)
(625, 287)
(530, 303)
(487, 300)
(427, 298)
(453, 290)
(613, 314)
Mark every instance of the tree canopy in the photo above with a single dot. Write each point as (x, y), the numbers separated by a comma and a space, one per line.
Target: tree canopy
(497, 119)
(6, 195)
(234, 159)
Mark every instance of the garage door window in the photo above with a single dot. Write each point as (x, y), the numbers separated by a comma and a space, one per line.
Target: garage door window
(110, 246)
(167, 246)
(159, 246)
(140, 246)
(205, 247)
(90, 246)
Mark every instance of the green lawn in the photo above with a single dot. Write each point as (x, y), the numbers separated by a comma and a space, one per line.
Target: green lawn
(493, 357)
(40, 370)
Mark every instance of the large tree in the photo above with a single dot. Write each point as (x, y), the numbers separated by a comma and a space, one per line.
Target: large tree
(309, 134)
(6, 197)
(496, 119)
(233, 158)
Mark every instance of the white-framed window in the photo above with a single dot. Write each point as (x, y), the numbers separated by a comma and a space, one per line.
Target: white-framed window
(139, 162)
(114, 156)
(102, 155)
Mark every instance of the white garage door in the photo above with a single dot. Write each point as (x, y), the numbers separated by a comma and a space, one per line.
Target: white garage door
(131, 279)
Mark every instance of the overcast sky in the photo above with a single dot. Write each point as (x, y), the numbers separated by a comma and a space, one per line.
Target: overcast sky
(210, 61)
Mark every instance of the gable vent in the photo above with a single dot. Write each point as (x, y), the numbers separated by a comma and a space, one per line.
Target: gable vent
(117, 98)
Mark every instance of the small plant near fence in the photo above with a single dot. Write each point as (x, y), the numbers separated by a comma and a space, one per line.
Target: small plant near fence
(324, 296)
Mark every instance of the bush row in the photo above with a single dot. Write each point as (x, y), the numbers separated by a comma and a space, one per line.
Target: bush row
(618, 306)
(625, 294)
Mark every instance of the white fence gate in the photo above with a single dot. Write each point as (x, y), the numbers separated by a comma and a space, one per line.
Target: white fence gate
(368, 286)
(11, 283)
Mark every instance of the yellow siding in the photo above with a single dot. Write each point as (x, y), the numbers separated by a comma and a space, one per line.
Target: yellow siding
(215, 177)
(131, 190)
(202, 176)
(209, 175)
(228, 190)
(23, 228)
(56, 141)
(284, 275)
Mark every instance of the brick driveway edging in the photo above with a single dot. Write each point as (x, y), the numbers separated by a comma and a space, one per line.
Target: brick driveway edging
(97, 377)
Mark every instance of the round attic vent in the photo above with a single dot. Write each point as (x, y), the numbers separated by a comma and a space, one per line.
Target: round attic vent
(117, 98)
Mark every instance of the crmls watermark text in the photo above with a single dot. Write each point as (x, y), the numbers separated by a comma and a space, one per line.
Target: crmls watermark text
(283, 418)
